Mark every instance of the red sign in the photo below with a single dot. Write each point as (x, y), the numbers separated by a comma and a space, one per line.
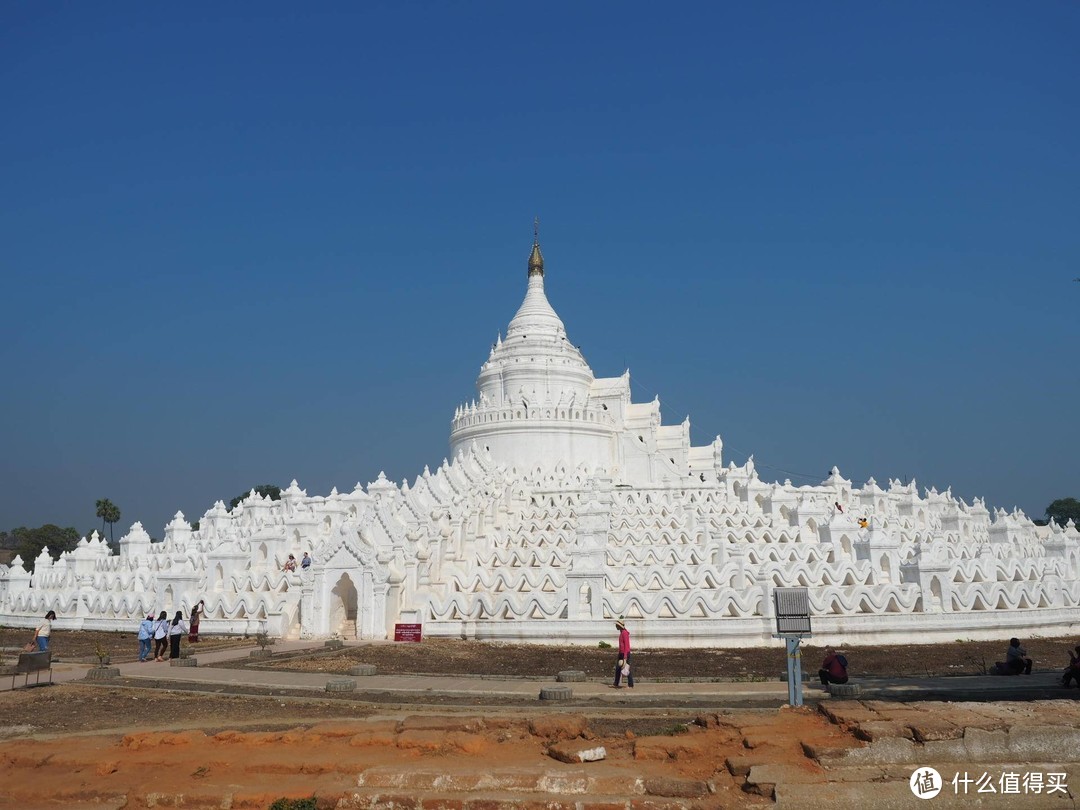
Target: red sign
(408, 632)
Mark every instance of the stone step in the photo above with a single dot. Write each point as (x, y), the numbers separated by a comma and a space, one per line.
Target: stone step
(1038, 744)
(350, 799)
(362, 800)
(565, 781)
(893, 791)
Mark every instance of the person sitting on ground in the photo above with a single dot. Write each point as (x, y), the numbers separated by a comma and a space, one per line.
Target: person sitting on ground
(863, 523)
(833, 668)
(1016, 660)
(1073, 670)
(290, 564)
(306, 562)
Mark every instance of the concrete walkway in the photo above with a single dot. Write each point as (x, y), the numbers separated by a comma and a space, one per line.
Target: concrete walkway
(442, 685)
(1041, 685)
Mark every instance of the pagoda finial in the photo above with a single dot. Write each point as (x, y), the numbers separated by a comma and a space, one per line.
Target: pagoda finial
(536, 258)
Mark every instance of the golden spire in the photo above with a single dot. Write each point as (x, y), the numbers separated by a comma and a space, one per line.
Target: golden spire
(536, 258)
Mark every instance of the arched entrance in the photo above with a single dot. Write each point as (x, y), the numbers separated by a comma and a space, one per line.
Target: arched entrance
(936, 602)
(343, 599)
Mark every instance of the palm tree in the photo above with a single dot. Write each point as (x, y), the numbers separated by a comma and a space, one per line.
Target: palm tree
(109, 513)
(103, 506)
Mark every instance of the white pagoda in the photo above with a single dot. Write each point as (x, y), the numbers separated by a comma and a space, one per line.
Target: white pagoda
(565, 505)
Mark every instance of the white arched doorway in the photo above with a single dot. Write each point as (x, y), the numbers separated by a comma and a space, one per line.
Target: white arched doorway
(343, 603)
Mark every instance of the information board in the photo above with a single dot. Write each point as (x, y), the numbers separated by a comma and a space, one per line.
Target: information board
(792, 611)
(408, 632)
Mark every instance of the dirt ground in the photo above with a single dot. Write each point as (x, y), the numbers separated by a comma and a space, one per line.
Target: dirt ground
(453, 657)
(206, 751)
(73, 645)
(72, 707)
(79, 709)
(449, 657)
(79, 745)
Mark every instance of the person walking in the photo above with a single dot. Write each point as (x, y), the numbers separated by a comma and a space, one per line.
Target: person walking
(161, 636)
(623, 661)
(44, 632)
(176, 629)
(146, 632)
(196, 615)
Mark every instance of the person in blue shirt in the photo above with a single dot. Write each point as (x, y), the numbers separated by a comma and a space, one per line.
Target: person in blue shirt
(146, 632)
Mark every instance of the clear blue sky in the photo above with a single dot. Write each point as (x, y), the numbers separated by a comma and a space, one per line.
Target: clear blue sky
(244, 243)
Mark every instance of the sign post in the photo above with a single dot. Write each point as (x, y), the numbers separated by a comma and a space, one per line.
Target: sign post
(793, 625)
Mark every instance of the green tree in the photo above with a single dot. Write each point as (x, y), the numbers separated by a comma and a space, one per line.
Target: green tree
(7, 547)
(265, 490)
(1062, 509)
(30, 542)
(109, 513)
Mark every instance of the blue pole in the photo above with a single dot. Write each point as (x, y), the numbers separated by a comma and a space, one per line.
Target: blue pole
(794, 671)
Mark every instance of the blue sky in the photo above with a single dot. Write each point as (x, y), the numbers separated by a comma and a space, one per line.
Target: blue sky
(256, 242)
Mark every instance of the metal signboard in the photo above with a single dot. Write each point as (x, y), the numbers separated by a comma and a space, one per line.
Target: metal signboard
(792, 624)
(408, 632)
(792, 611)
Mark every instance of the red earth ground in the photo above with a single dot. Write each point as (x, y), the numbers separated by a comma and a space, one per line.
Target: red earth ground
(226, 752)
(108, 746)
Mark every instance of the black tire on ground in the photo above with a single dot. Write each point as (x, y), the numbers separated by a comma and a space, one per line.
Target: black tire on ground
(102, 673)
(844, 690)
(341, 685)
(556, 693)
(570, 676)
(362, 669)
